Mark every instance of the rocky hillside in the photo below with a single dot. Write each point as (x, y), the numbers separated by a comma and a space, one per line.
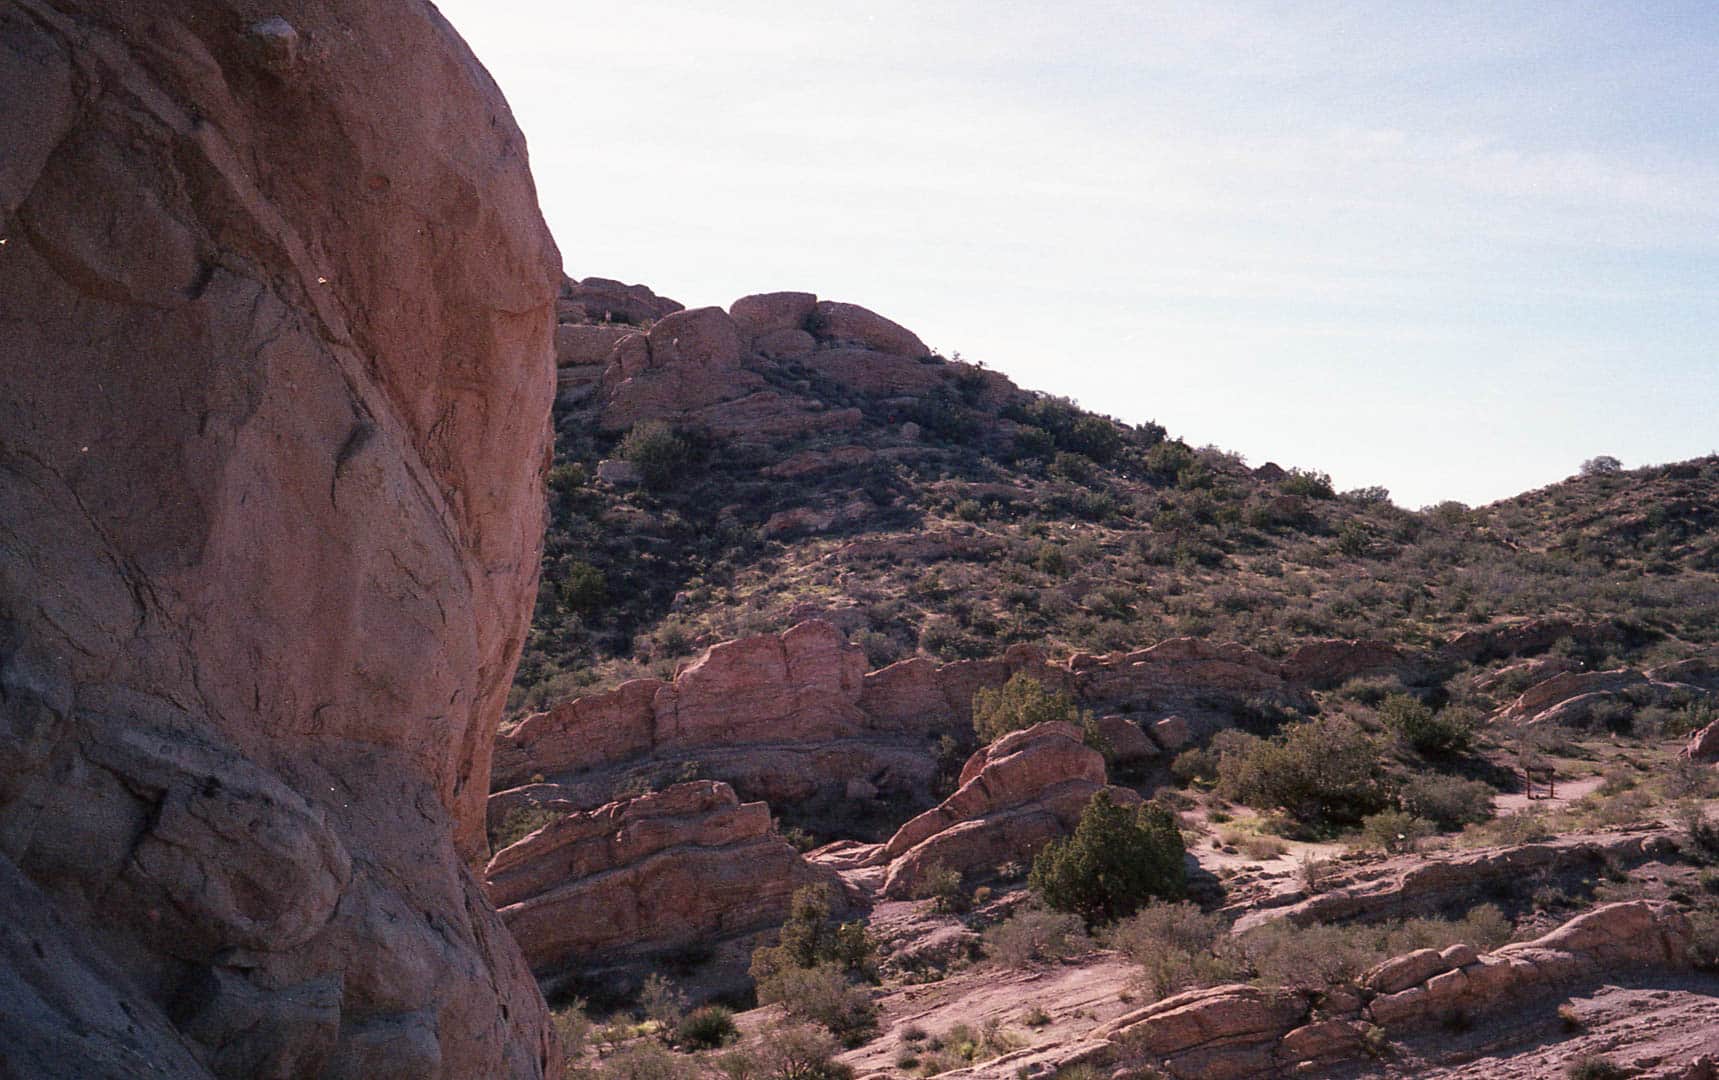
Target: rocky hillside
(273, 398)
(806, 458)
(794, 563)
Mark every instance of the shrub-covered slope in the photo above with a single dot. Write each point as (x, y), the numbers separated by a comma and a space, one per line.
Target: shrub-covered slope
(959, 519)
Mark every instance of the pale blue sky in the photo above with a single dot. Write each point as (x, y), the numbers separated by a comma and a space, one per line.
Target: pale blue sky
(1449, 248)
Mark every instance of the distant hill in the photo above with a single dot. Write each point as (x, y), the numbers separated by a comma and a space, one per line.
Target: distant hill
(802, 458)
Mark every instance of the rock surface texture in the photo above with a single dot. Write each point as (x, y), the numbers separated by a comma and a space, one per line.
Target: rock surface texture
(1236, 1031)
(667, 870)
(1016, 795)
(273, 401)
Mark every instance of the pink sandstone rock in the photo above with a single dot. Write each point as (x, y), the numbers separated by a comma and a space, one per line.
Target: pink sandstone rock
(1016, 794)
(704, 336)
(276, 383)
(671, 869)
(831, 321)
(766, 313)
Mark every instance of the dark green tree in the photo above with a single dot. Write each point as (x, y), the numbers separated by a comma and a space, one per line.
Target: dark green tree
(1118, 859)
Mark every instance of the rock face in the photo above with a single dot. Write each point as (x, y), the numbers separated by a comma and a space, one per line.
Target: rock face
(273, 403)
(1016, 795)
(663, 871)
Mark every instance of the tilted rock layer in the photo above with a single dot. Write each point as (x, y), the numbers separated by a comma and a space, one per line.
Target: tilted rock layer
(273, 396)
(1016, 795)
(666, 870)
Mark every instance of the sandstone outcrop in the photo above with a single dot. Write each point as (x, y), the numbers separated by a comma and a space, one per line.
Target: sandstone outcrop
(275, 383)
(662, 871)
(1572, 697)
(786, 717)
(1016, 795)
(1237, 1031)
(1703, 745)
(1448, 881)
(602, 300)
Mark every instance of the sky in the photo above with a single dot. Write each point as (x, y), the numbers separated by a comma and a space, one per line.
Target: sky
(1451, 249)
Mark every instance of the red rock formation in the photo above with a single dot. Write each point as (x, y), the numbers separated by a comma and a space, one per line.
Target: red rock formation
(777, 715)
(1235, 1031)
(1703, 745)
(662, 871)
(275, 386)
(1016, 795)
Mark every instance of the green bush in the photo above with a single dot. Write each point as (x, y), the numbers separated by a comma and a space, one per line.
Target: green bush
(1321, 772)
(521, 822)
(566, 478)
(942, 886)
(810, 938)
(1308, 484)
(1448, 731)
(1595, 1066)
(1118, 859)
(1019, 704)
(824, 995)
(705, 1028)
(583, 588)
(1394, 831)
(787, 1052)
(1447, 801)
(1176, 946)
(657, 451)
(1036, 937)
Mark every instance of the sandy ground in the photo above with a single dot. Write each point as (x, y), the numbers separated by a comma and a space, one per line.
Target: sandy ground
(1569, 791)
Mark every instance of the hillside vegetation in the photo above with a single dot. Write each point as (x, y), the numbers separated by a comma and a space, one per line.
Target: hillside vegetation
(960, 522)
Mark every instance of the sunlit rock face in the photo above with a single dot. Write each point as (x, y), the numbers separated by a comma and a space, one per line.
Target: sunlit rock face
(274, 387)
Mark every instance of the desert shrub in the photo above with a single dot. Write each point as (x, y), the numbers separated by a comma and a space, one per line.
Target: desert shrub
(1176, 946)
(647, 1059)
(566, 477)
(1316, 874)
(1118, 859)
(824, 995)
(521, 822)
(1394, 831)
(1308, 484)
(583, 588)
(1020, 703)
(811, 938)
(1595, 1066)
(1195, 764)
(942, 886)
(1369, 496)
(1321, 772)
(1069, 466)
(1704, 939)
(1036, 937)
(788, 1052)
(657, 451)
(705, 1028)
(660, 1001)
(1447, 801)
(1354, 540)
(1447, 731)
(573, 1027)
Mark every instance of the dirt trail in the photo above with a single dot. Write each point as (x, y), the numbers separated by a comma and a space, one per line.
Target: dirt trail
(1569, 791)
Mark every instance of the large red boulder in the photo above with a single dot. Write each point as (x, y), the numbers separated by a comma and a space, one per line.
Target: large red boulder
(274, 394)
